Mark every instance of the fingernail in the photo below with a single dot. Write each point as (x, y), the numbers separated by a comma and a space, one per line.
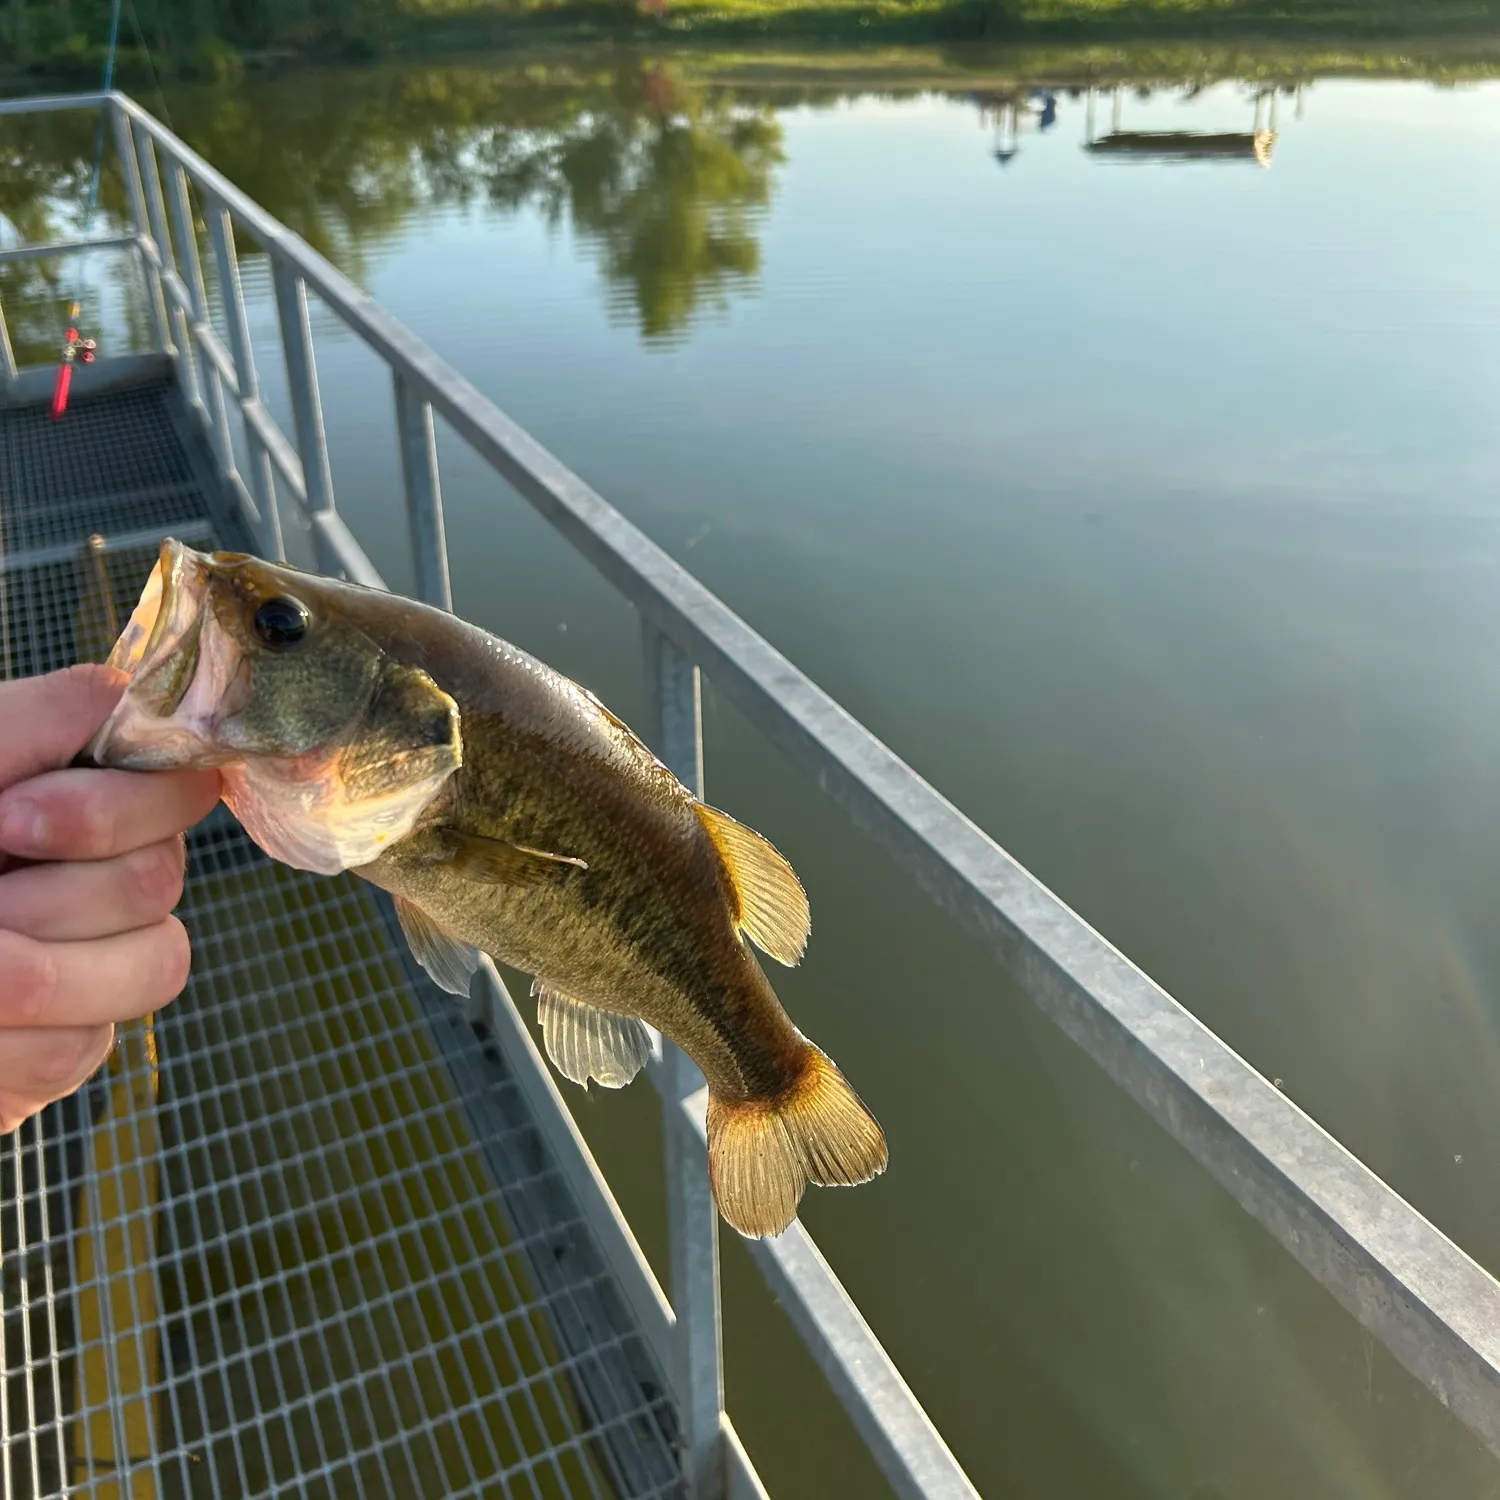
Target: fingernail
(23, 827)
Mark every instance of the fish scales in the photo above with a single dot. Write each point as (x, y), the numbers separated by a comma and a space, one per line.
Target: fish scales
(614, 935)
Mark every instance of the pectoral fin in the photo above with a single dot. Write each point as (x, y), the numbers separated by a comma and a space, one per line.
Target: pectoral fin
(494, 862)
(773, 911)
(585, 1042)
(451, 964)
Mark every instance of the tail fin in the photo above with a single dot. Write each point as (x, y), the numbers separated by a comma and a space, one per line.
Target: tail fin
(763, 1152)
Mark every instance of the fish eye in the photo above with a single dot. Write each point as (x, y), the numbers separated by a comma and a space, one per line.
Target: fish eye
(281, 623)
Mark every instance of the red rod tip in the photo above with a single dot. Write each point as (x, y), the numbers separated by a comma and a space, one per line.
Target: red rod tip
(60, 391)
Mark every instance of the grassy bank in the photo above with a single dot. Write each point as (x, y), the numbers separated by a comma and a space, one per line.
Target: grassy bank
(169, 36)
(456, 23)
(773, 69)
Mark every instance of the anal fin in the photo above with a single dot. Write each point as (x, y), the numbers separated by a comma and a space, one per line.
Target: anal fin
(585, 1042)
(451, 964)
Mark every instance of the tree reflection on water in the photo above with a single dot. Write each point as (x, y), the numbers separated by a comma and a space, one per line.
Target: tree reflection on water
(664, 180)
(667, 184)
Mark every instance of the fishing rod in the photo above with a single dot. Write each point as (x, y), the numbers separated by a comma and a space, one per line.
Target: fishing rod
(75, 349)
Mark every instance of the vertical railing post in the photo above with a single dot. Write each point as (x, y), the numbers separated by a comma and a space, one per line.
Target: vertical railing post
(215, 413)
(223, 439)
(307, 406)
(156, 216)
(675, 724)
(130, 171)
(424, 496)
(262, 479)
(7, 354)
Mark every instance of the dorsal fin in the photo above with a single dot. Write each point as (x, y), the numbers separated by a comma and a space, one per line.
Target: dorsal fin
(773, 911)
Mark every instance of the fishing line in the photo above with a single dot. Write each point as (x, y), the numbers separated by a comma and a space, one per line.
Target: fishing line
(140, 36)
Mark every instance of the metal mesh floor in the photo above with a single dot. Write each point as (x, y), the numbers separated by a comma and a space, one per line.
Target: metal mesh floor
(302, 1236)
(120, 467)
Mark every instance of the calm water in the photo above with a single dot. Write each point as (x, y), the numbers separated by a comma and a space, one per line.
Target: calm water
(1149, 508)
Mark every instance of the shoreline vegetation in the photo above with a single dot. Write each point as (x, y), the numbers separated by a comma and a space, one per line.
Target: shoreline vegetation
(661, 162)
(62, 41)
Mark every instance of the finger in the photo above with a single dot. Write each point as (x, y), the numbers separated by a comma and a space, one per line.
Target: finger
(48, 720)
(91, 982)
(46, 1064)
(96, 898)
(98, 814)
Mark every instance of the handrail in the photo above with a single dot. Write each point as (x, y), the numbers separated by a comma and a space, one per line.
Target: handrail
(214, 379)
(1432, 1305)
(56, 249)
(910, 1445)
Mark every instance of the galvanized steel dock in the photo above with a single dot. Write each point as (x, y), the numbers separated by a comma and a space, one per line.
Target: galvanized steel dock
(310, 1238)
(317, 1230)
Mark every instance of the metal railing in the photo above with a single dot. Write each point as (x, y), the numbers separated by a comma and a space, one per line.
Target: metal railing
(1423, 1297)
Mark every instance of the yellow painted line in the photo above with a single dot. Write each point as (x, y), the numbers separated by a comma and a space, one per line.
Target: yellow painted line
(115, 1302)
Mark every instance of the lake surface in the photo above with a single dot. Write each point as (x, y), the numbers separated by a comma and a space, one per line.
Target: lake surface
(1146, 499)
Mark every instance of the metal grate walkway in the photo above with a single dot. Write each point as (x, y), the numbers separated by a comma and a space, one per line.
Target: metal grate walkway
(303, 1236)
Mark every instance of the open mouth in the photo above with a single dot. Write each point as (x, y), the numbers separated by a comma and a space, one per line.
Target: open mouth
(156, 623)
(159, 648)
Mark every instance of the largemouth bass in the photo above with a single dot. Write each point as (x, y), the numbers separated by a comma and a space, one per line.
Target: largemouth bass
(508, 812)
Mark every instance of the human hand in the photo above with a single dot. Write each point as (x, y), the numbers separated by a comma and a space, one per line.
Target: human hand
(91, 865)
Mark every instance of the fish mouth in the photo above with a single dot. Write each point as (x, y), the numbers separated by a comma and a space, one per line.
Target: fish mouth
(161, 651)
(159, 619)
